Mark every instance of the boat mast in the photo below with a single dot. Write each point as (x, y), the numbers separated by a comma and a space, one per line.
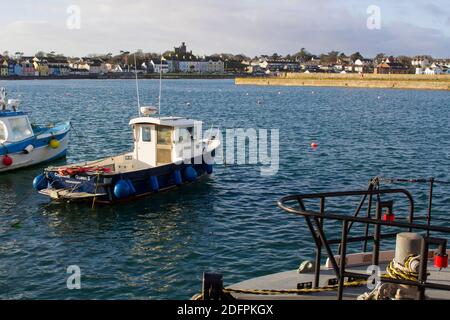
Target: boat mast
(160, 85)
(137, 85)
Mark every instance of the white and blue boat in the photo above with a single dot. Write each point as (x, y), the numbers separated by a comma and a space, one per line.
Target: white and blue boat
(23, 144)
(168, 152)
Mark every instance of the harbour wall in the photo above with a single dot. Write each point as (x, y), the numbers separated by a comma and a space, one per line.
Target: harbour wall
(395, 81)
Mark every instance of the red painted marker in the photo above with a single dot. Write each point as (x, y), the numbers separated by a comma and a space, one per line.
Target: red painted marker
(7, 160)
(314, 145)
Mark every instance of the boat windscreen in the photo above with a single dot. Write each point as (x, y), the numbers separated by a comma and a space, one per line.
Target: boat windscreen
(20, 129)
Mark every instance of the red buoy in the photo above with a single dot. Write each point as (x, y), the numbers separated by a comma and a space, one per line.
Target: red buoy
(441, 261)
(7, 160)
(314, 145)
(389, 217)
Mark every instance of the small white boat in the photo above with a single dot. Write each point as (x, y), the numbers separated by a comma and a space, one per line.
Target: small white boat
(168, 152)
(23, 144)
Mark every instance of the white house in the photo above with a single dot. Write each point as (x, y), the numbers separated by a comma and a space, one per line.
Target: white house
(79, 65)
(215, 66)
(420, 62)
(157, 66)
(116, 68)
(279, 65)
(196, 66)
(361, 65)
(433, 70)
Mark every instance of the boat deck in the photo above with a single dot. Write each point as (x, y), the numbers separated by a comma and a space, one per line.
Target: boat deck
(290, 279)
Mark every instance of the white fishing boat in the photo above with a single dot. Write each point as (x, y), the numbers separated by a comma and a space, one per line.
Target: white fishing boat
(23, 144)
(168, 152)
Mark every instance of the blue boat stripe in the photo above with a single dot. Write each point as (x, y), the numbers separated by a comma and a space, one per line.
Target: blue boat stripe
(37, 143)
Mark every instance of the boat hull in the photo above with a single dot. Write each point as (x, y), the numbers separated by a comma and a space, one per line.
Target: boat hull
(103, 186)
(42, 152)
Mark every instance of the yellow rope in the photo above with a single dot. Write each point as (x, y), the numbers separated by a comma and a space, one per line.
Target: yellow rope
(396, 273)
(295, 291)
(96, 186)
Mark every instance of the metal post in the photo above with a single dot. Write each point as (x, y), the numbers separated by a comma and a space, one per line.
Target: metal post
(423, 268)
(376, 236)
(343, 257)
(212, 286)
(430, 200)
(319, 246)
(367, 226)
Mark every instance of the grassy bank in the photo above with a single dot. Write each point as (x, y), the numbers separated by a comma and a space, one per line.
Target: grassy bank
(396, 81)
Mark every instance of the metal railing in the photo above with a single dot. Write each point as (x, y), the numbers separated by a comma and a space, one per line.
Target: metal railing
(315, 221)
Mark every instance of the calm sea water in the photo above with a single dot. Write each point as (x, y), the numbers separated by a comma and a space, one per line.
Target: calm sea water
(158, 247)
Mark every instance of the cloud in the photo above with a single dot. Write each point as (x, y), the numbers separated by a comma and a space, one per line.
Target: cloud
(246, 26)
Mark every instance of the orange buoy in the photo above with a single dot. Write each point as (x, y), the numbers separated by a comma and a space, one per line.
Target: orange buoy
(314, 145)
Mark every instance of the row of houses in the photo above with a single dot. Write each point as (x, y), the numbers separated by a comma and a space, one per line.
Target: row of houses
(427, 65)
(268, 66)
(44, 67)
(183, 61)
(388, 65)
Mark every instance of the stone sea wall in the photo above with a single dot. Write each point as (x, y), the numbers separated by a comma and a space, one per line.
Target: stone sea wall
(396, 81)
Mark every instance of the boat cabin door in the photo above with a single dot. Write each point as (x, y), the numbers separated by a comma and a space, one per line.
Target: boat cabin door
(164, 142)
(145, 148)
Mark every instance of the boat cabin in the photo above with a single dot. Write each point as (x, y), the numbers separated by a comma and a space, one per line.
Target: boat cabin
(163, 140)
(14, 126)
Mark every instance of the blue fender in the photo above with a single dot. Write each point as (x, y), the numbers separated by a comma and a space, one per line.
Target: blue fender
(154, 184)
(177, 177)
(40, 182)
(122, 189)
(190, 173)
(208, 168)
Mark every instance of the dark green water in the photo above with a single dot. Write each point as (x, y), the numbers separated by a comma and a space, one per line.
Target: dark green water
(158, 247)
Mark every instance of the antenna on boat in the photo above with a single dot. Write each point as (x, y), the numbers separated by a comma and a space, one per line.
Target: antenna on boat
(137, 85)
(160, 84)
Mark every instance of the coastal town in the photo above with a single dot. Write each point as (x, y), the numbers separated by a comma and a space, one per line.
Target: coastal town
(182, 62)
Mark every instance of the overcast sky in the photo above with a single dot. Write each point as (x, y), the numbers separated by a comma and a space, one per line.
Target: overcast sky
(251, 27)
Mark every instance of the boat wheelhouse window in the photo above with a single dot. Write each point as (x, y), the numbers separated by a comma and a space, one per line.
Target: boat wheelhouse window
(2, 132)
(164, 135)
(20, 128)
(146, 134)
(186, 134)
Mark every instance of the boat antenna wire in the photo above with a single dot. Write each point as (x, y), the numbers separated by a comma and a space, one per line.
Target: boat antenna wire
(137, 85)
(160, 84)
